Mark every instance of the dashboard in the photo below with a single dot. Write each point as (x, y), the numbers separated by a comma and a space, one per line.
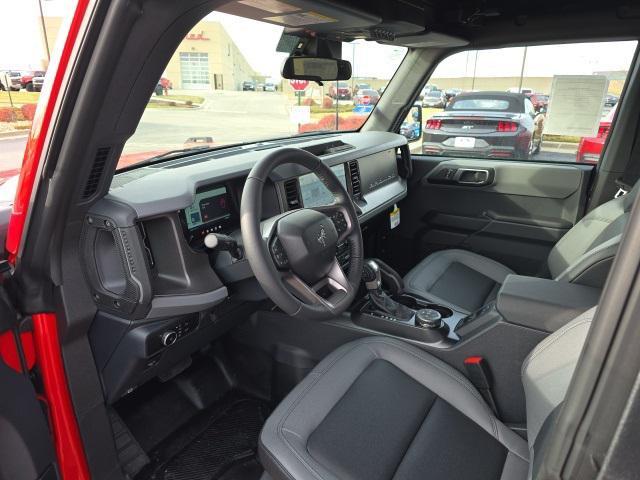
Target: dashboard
(142, 244)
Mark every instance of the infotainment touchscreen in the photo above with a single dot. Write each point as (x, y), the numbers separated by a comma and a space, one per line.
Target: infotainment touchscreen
(313, 191)
(209, 205)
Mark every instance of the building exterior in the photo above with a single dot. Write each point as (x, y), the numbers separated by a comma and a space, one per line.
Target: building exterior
(207, 59)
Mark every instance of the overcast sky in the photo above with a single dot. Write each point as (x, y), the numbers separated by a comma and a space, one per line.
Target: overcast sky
(20, 20)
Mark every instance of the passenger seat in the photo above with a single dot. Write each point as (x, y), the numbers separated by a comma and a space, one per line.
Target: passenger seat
(466, 281)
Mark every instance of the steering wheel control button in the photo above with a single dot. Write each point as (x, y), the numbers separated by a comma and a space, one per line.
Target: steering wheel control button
(340, 222)
(428, 318)
(169, 338)
(278, 254)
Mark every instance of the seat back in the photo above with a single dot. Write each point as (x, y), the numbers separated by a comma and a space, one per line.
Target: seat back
(546, 374)
(585, 253)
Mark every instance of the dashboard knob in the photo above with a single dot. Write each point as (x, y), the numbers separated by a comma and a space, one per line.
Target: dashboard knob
(428, 318)
(169, 338)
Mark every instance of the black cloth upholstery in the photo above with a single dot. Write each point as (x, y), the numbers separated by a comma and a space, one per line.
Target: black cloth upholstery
(380, 409)
(466, 281)
(458, 279)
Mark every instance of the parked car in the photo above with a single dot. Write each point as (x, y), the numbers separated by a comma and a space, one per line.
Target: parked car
(452, 92)
(260, 87)
(482, 124)
(340, 91)
(427, 88)
(361, 86)
(9, 80)
(610, 100)
(37, 82)
(248, 86)
(199, 142)
(366, 97)
(411, 130)
(166, 83)
(590, 148)
(525, 90)
(26, 79)
(539, 100)
(270, 87)
(434, 99)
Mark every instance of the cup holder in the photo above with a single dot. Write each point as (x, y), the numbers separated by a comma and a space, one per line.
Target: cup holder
(444, 311)
(416, 304)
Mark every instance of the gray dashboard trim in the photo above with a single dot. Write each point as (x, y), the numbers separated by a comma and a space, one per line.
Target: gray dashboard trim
(382, 198)
(165, 190)
(173, 305)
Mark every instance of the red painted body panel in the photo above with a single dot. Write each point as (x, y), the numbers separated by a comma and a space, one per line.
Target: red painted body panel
(67, 440)
(69, 448)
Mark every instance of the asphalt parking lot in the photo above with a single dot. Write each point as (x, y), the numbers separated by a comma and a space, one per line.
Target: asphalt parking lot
(227, 117)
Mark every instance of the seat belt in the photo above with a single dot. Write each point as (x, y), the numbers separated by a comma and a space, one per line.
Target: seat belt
(632, 171)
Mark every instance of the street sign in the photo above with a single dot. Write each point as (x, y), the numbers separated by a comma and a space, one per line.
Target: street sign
(299, 85)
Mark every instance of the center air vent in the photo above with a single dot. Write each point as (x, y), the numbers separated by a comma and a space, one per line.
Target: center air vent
(354, 175)
(292, 193)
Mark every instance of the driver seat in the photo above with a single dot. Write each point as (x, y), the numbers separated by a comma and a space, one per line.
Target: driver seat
(380, 409)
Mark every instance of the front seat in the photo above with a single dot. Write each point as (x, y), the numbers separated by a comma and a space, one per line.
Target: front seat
(381, 409)
(466, 281)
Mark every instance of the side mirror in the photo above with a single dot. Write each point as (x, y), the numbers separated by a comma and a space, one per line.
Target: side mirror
(316, 69)
(411, 128)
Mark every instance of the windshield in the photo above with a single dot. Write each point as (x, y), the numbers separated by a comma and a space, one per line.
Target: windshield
(224, 87)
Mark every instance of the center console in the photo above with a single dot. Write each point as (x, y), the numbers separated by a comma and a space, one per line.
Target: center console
(403, 315)
(536, 304)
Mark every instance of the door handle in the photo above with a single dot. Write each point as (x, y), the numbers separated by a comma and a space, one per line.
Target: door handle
(470, 177)
(473, 176)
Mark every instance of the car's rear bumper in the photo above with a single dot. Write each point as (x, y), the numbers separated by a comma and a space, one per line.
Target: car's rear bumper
(493, 145)
(491, 151)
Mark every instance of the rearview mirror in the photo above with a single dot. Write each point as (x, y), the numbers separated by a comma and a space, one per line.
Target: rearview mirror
(316, 69)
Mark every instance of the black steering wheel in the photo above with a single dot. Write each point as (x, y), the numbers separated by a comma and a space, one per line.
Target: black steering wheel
(293, 255)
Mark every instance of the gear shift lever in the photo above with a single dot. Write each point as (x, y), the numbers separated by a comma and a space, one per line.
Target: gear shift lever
(373, 282)
(371, 275)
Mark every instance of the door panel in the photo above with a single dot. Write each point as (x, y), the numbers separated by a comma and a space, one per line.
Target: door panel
(513, 212)
(26, 451)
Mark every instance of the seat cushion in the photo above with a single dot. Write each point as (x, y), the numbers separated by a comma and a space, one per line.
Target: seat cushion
(462, 280)
(380, 409)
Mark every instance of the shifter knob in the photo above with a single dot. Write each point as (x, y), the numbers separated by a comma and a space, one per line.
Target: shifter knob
(371, 275)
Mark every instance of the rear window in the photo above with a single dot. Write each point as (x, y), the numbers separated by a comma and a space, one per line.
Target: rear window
(481, 104)
(434, 93)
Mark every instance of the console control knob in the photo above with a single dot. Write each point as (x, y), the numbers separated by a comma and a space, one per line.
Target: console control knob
(428, 318)
(169, 338)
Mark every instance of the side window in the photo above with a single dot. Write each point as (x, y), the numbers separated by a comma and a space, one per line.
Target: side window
(549, 103)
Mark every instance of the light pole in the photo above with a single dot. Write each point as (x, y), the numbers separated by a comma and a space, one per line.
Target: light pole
(475, 65)
(524, 59)
(44, 32)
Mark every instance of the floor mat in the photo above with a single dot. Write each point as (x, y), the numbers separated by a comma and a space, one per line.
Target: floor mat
(219, 442)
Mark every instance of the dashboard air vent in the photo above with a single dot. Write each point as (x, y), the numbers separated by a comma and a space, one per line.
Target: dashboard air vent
(97, 169)
(354, 175)
(292, 193)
